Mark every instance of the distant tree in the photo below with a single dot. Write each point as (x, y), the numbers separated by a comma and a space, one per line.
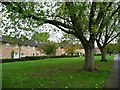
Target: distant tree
(12, 54)
(49, 48)
(111, 48)
(72, 43)
(71, 49)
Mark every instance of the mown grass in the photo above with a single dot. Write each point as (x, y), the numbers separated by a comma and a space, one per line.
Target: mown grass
(55, 73)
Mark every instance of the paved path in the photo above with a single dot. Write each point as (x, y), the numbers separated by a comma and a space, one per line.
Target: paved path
(114, 78)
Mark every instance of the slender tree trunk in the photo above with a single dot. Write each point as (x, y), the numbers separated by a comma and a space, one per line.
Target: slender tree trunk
(103, 52)
(19, 50)
(89, 59)
(103, 55)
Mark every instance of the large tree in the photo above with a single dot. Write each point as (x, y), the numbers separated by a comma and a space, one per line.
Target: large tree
(85, 20)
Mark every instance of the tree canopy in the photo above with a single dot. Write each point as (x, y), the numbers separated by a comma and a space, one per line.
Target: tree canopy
(85, 20)
(40, 37)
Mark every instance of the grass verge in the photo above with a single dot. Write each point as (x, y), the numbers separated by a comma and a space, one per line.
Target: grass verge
(55, 73)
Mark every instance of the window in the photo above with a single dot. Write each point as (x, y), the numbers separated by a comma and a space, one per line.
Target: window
(16, 54)
(16, 46)
(33, 47)
(28, 47)
(7, 45)
(22, 46)
(22, 55)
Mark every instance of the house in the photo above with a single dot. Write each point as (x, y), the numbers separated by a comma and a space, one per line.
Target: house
(78, 51)
(16, 48)
(19, 49)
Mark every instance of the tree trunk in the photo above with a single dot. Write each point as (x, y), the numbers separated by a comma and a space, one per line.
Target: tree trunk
(19, 50)
(103, 55)
(89, 59)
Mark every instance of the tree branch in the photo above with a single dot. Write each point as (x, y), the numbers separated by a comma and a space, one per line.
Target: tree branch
(68, 32)
(92, 14)
(113, 38)
(102, 13)
(115, 11)
(56, 23)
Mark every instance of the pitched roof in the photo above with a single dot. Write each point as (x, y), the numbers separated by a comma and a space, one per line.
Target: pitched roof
(12, 40)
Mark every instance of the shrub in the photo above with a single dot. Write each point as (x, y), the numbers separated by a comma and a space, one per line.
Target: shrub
(13, 60)
(28, 58)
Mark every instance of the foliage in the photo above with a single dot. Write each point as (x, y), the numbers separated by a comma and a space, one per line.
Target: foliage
(72, 14)
(55, 73)
(85, 20)
(12, 54)
(118, 44)
(71, 49)
(112, 48)
(41, 37)
(49, 48)
(20, 41)
(67, 38)
(110, 33)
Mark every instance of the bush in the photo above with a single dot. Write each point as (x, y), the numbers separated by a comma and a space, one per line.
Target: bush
(28, 58)
(13, 60)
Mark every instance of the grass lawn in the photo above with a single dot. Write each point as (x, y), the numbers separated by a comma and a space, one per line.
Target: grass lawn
(55, 73)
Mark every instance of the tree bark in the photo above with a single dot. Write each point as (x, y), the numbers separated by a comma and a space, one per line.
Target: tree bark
(89, 59)
(103, 55)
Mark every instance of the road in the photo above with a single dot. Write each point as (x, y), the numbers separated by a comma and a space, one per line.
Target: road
(114, 78)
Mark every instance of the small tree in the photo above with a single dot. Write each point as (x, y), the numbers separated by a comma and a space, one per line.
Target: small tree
(71, 44)
(12, 54)
(71, 49)
(49, 48)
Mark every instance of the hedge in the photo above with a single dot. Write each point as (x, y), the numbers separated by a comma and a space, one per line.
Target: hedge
(28, 58)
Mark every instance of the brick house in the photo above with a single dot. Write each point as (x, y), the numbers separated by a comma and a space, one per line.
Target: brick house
(10, 50)
(29, 48)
